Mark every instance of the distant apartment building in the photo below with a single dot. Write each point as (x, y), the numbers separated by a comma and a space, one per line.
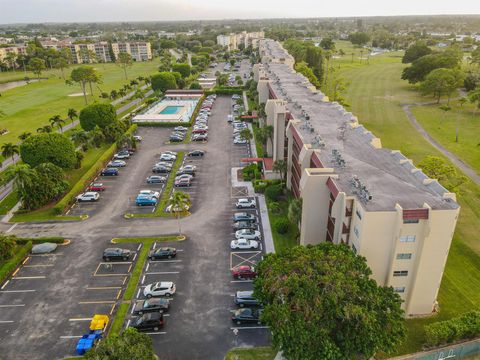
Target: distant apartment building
(233, 41)
(354, 191)
(140, 51)
(16, 50)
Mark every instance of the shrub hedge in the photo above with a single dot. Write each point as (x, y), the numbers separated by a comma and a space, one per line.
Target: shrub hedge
(273, 192)
(225, 91)
(282, 226)
(89, 175)
(12, 264)
(462, 327)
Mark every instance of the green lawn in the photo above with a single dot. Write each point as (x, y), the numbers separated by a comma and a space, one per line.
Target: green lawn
(29, 107)
(282, 241)
(375, 94)
(259, 353)
(8, 202)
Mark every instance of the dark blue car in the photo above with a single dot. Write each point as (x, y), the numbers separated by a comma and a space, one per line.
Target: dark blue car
(109, 172)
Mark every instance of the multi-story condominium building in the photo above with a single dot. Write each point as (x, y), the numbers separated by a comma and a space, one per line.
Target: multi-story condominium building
(354, 191)
(233, 41)
(16, 50)
(140, 51)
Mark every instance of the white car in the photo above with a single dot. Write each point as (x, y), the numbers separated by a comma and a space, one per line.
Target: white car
(198, 126)
(167, 157)
(88, 196)
(239, 141)
(245, 203)
(137, 138)
(164, 288)
(152, 193)
(174, 153)
(121, 156)
(189, 168)
(184, 176)
(243, 244)
(117, 163)
(248, 234)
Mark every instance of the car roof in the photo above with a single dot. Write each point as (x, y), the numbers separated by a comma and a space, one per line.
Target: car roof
(163, 284)
(90, 193)
(247, 293)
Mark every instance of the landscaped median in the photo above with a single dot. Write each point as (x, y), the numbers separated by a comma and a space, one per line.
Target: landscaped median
(146, 242)
(256, 353)
(163, 201)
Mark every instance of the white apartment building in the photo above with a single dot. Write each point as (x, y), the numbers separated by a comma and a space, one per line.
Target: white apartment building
(140, 51)
(233, 41)
(355, 191)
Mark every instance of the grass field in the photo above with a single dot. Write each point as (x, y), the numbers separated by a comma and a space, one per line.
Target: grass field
(260, 353)
(375, 95)
(31, 106)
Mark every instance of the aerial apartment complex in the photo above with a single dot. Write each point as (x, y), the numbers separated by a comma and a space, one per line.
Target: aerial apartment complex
(354, 191)
(233, 41)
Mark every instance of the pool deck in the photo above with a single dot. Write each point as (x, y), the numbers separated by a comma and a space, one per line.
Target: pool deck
(160, 112)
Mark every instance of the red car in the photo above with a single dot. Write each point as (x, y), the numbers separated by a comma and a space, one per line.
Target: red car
(96, 187)
(200, 131)
(244, 272)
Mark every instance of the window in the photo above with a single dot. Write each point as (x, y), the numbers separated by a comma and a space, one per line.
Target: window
(358, 214)
(399, 289)
(354, 249)
(404, 256)
(407, 238)
(355, 230)
(411, 221)
(400, 273)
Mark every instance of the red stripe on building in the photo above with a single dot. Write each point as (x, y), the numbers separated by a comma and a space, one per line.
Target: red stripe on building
(415, 214)
(315, 161)
(332, 187)
(296, 137)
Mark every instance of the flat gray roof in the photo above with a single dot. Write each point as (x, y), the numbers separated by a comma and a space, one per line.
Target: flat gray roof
(388, 175)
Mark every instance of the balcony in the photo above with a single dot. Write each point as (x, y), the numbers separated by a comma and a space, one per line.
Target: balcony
(345, 229)
(348, 212)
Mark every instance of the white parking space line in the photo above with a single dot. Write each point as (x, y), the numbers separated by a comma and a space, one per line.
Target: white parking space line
(6, 321)
(128, 323)
(143, 279)
(241, 281)
(139, 247)
(249, 328)
(146, 268)
(166, 261)
(104, 288)
(43, 255)
(80, 319)
(16, 291)
(5, 284)
(156, 333)
(39, 265)
(28, 277)
(134, 256)
(162, 273)
(11, 227)
(71, 337)
(12, 305)
(138, 293)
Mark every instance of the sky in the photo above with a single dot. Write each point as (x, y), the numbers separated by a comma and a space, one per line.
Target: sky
(37, 11)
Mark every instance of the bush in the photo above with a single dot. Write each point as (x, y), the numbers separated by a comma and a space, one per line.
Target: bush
(274, 207)
(12, 264)
(97, 114)
(48, 147)
(183, 69)
(463, 327)
(164, 81)
(281, 226)
(273, 192)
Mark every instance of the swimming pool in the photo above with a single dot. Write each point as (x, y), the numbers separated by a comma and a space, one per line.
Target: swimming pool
(170, 110)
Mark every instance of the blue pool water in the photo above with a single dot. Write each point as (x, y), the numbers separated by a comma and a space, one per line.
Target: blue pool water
(169, 110)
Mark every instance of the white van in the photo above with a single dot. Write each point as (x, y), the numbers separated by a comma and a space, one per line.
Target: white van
(230, 118)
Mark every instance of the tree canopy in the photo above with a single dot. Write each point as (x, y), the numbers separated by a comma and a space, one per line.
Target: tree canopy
(359, 38)
(416, 51)
(442, 82)
(183, 69)
(48, 147)
(164, 81)
(99, 114)
(320, 303)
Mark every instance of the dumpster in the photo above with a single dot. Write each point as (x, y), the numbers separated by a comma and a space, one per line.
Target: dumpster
(88, 341)
(99, 322)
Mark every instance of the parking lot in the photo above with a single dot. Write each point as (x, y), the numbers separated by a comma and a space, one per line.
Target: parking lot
(58, 307)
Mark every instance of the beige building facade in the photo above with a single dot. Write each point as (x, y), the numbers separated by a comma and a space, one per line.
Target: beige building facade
(354, 191)
(233, 41)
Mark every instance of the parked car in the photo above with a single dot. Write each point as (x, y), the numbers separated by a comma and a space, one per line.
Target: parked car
(248, 234)
(164, 288)
(155, 179)
(196, 153)
(148, 322)
(182, 183)
(88, 196)
(118, 254)
(181, 172)
(180, 128)
(121, 155)
(145, 200)
(243, 216)
(161, 170)
(96, 187)
(246, 203)
(247, 316)
(199, 137)
(109, 172)
(239, 141)
(189, 167)
(176, 139)
(166, 164)
(245, 298)
(137, 138)
(239, 225)
(243, 244)
(117, 163)
(162, 253)
(173, 153)
(244, 272)
(167, 157)
(150, 306)
(184, 177)
(152, 193)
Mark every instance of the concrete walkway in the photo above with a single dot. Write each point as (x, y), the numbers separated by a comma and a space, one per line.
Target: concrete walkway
(245, 100)
(452, 157)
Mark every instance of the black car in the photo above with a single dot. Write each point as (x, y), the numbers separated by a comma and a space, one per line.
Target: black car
(160, 170)
(150, 306)
(162, 253)
(116, 254)
(109, 172)
(185, 171)
(152, 321)
(245, 298)
(240, 225)
(176, 139)
(247, 316)
(154, 179)
(243, 216)
(195, 153)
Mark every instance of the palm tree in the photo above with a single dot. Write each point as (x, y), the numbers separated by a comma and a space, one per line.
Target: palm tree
(79, 137)
(57, 121)
(10, 150)
(97, 136)
(45, 129)
(280, 166)
(22, 176)
(23, 136)
(269, 130)
(246, 134)
(72, 114)
(180, 202)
